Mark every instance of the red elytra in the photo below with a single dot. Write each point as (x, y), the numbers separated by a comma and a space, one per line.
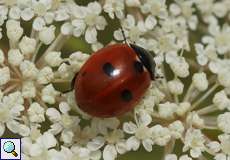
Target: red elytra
(113, 80)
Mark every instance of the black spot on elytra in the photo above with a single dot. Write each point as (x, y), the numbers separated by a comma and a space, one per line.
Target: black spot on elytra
(138, 67)
(108, 69)
(126, 95)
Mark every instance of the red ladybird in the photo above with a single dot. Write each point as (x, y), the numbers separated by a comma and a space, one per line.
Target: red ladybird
(113, 80)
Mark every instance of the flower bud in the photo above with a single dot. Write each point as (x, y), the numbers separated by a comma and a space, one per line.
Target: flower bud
(200, 81)
(221, 100)
(14, 30)
(27, 45)
(53, 58)
(15, 57)
(47, 34)
(176, 87)
(224, 78)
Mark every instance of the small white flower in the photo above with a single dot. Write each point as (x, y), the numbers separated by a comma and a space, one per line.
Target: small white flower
(77, 59)
(36, 113)
(195, 140)
(49, 94)
(150, 22)
(175, 9)
(14, 13)
(176, 86)
(103, 125)
(167, 110)
(200, 81)
(156, 8)
(28, 89)
(38, 24)
(45, 75)
(9, 116)
(222, 122)
(219, 9)
(61, 14)
(91, 35)
(27, 14)
(142, 133)
(225, 143)
(78, 26)
(214, 146)
(62, 122)
(67, 28)
(96, 46)
(27, 45)
(28, 69)
(114, 7)
(42, 145)
(14, 30)
(109, 152)
(15, 57)
(132, 29)
(96, 143)
(40, 8)
(158, 95)
(47, 34)
(49, 17)
(179, 66)
(194, 119)
(221, 100)
(161, 135)
(53, 58)
(176, 128)
(116, 144)
(220, 37)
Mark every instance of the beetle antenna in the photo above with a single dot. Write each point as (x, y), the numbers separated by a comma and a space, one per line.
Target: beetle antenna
(123, 34)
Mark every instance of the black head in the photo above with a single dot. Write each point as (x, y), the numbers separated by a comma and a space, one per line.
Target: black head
(146, 58)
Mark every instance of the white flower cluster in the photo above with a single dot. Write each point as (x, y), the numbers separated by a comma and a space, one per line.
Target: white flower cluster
(189, 40)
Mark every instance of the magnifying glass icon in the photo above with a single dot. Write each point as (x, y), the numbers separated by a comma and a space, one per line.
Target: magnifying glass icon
(9, 147)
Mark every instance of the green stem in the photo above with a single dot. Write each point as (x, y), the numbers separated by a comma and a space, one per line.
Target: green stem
(206, 110)
(201, 99)
(56, 45)
(188, 94)
(36, 51)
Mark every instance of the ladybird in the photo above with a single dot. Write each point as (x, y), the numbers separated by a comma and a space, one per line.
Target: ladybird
(113, 80)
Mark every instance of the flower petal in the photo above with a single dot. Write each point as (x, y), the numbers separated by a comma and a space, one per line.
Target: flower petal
(91, 35)
(133, 143)
(129, 127)
(109, 152)
(147, 143)
(96, 143)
